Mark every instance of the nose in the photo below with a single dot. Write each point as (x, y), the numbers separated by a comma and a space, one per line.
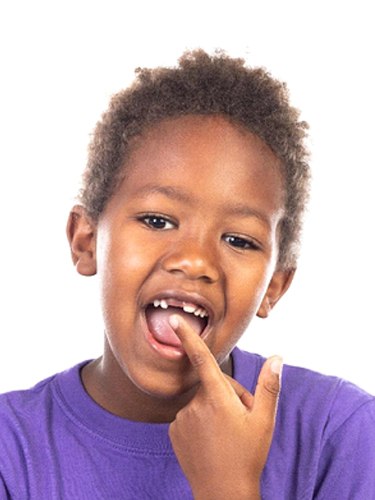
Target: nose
(194, 261)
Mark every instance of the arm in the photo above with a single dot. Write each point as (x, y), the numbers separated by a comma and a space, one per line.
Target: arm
(222, 437)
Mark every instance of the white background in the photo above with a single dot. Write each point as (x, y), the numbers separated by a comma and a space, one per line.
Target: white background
(61, 61)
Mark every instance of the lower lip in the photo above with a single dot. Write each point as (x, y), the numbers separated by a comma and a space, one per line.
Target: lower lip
(164, 350)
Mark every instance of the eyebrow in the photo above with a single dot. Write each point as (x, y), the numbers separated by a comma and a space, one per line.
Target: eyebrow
(246, 211)
(174, 193)
(169, 191)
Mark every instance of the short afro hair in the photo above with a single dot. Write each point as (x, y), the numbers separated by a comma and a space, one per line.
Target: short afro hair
(204, 85)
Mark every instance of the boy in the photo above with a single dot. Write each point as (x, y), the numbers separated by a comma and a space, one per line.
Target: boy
(190, 215)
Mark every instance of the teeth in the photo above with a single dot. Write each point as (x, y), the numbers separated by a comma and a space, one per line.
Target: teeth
(188, 308)
(200, 312)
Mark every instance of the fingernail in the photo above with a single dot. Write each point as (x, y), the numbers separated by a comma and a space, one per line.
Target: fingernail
(174, 321)
(276, 365)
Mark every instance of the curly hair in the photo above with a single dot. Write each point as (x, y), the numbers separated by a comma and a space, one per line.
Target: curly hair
(204, 85)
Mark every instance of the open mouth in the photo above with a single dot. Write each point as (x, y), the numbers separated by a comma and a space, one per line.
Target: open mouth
(159, 312)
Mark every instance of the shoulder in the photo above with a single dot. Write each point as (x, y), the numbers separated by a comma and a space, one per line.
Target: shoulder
(323, 445)
(30, 426)
(329, 423)
(26, 413)
(310, 400)
(22, 417)
(28, 397)
(326, 401)
(24, 402)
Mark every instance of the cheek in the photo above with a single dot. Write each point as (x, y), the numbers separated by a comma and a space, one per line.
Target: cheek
(124, 261)
(122, 268)
(247, 290)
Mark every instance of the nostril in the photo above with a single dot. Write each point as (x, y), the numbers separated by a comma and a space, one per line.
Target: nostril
(193, 275)
(192, 267)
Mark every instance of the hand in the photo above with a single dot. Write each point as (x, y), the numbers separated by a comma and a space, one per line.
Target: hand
(222, 436)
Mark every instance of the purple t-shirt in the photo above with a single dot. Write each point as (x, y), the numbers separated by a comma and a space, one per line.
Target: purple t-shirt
(57, 443)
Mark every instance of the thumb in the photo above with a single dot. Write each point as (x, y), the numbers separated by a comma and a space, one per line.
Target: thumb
(268, 389)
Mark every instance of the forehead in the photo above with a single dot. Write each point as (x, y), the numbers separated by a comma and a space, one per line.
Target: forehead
(205, 154)
(213, 135)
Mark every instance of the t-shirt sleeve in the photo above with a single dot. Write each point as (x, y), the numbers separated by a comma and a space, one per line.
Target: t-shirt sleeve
(347, 464)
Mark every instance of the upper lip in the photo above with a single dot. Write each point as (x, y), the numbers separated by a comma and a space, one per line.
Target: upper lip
(187, 297)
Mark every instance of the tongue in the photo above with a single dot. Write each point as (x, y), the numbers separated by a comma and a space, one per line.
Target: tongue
(158, 324)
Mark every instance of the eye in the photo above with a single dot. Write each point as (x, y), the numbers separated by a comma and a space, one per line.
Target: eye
(241, 243)
(157, 222)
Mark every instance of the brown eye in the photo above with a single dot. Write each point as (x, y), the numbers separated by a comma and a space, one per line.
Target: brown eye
(157, 222)
(242, 243)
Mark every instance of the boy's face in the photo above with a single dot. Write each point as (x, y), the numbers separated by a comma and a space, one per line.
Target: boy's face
(195, 225)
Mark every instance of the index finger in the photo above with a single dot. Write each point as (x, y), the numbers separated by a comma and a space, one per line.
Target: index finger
(201, 358)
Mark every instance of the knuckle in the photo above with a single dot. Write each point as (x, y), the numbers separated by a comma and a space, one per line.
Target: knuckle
(198, 359)
(271, 389)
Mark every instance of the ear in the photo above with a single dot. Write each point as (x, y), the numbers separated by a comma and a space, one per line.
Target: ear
(81, 233)
(279, 284)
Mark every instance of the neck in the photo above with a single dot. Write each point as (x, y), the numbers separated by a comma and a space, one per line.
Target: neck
(118, 395)
(111, 388)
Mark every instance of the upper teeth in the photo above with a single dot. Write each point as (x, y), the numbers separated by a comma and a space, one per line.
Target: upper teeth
(188, 308)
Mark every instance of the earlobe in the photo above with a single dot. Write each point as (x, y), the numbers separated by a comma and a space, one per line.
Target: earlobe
(81, 233)
(279, 284)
